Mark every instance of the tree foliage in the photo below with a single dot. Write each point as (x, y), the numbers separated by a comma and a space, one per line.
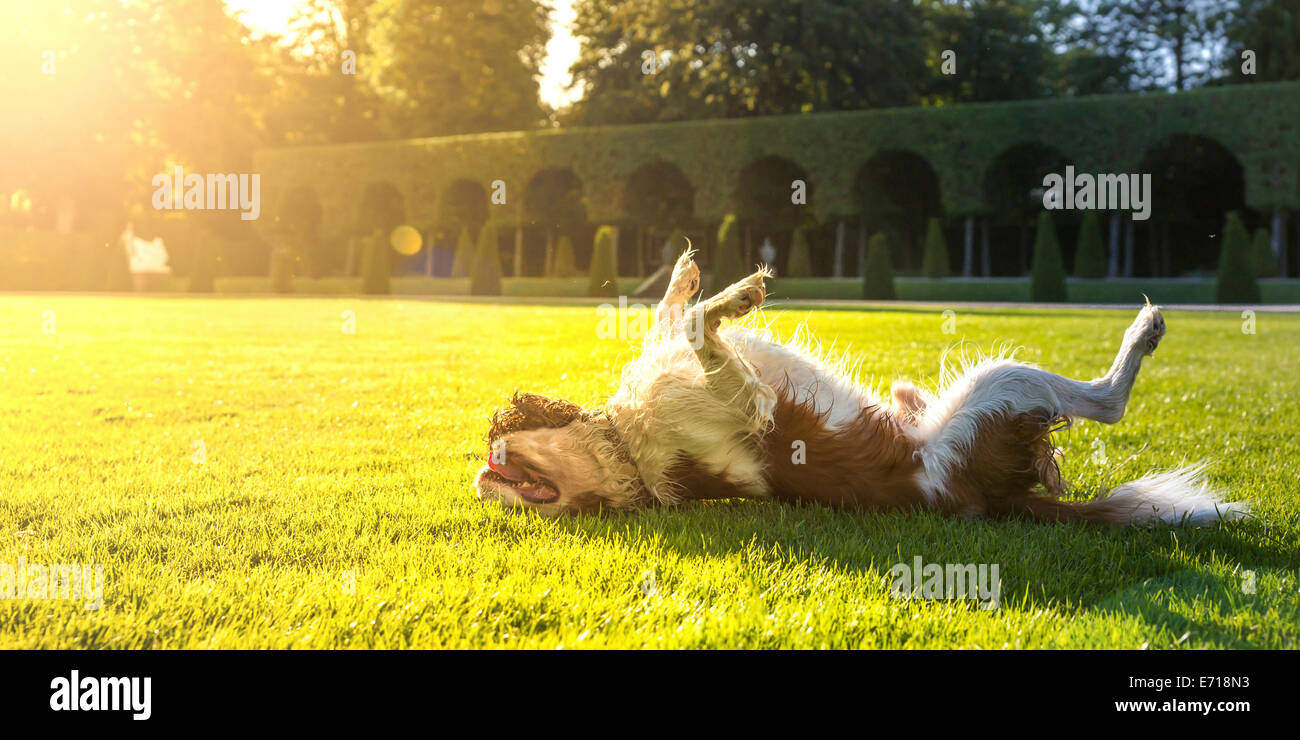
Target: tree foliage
(668, 60)
(455, 66)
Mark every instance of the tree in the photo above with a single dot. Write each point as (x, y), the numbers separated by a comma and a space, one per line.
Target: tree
(1262, 256)
(203, 262)
(464, 257)
(1268, 29)
(728, 264)
(486, 277)
(376, 270)
(877, 274)
(320, 100)
(998, 48)
(799, 264)
(602, 277)
(446, 67)
(1089, 254)
(1171, 44)
(665, 60)
(1236, 281)
(1047, 276)
(934, 263)
(565, 265)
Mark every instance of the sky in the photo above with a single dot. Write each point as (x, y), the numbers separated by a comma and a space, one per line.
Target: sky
(273, 16)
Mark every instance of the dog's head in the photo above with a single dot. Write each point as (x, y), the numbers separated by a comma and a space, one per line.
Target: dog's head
(550, 455)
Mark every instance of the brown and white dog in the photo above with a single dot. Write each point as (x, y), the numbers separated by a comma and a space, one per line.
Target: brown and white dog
(708, 414)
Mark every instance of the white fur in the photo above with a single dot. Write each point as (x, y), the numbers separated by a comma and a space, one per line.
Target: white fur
(1180, 496)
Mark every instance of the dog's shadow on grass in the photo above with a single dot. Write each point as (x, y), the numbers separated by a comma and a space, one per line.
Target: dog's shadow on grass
(1040, 565)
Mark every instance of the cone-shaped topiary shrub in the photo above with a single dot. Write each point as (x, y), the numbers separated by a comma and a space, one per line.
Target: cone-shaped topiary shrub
(799, 265)
(283, 266)
(602, 277)
(375, 269)
(203, 270)
(934, 262)
(1090, 255)
(1236, 283)
(1262, 255)
(877, 273)
(485, 278)
(565, 265)
(464, 257)
(728, 262)
(1047, 276)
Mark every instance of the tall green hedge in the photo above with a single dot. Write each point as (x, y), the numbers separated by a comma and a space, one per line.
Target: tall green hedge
(376, 270)
(602, 277)
(1089, 254)
(877, 273)
(565, 265)
(1236, 283)
(934, 262)
(1047, 276)
(1262, 255)
(728, 262)
(485, 279)
(799, 265)
(464, 256)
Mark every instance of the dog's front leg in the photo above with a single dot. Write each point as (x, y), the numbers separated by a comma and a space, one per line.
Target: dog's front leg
(730, 377)
(685, 283)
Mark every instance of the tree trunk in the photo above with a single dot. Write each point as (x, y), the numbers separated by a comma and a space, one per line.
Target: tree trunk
(548, 257)
(984, 247)
(838, 269)
(519, 250)
(1279, 239)
(1130, 245)
(968, 248)
(1112, 261)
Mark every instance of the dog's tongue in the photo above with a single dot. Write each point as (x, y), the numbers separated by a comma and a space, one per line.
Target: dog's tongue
(507, 471)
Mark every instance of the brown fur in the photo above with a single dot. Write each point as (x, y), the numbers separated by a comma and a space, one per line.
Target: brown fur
(867, 464)
(531, 411)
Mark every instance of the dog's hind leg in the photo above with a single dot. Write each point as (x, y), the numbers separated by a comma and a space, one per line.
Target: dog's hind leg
(730, 377)
(1000, 392)
(684, 283)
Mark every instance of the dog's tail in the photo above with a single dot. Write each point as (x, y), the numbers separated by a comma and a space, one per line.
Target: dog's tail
(1180, 496)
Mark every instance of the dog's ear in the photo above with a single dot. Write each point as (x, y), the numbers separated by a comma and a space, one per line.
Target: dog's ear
(531, 411)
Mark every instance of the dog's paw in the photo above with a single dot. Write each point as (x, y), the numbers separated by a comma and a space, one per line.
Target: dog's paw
(744, 296)
(686, 277)
(1147, 329)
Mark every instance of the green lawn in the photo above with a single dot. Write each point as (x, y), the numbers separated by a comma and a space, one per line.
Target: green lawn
(334, 508)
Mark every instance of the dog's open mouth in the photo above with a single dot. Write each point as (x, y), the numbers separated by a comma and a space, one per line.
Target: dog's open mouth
(518, 479)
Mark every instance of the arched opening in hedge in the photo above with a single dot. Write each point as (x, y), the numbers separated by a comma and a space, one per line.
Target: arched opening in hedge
(1195, 182)
(1013, 194)
(896, 192)
(554, 207)
(765, 195)
(657, 199)
(463, 206)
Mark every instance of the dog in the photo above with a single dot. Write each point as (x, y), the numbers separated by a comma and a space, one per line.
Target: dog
(712, 413)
